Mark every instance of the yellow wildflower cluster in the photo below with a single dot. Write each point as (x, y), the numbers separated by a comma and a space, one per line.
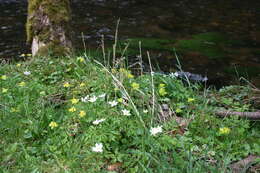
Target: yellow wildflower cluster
(162, 90)
(80, 59)
(82, 114)
(125, 72)
(66, 85)
(120, 100)
(224, 130)
(21, 84)
(74, 101)
(191, 100)
(82, 84)
(24, 55)
(135, 86)
(4, 90)
(72, 109)
(113, 70)
(14, 110)
(178, 110)
(3, 77)
(53, 125)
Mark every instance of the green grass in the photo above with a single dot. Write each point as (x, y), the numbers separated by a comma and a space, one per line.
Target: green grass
(29, 144)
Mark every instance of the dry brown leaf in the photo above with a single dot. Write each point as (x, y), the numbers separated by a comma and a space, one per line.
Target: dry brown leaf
(114, 166)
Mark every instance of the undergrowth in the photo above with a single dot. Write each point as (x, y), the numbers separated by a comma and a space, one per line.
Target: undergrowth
(76, 115)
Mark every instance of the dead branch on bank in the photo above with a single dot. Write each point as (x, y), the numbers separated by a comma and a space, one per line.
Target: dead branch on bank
(244, 164)
(247, 115)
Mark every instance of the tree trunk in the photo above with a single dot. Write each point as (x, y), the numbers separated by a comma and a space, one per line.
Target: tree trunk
(47, 27)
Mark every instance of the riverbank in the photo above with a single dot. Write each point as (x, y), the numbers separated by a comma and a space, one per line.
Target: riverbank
(215, 39)
(77, 115)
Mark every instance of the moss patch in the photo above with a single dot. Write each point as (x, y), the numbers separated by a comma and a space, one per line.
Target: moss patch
(49, 21)
(53, 50)
(208, 44)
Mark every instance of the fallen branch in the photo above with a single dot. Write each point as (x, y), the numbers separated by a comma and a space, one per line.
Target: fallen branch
(248, 115)
(244, 164)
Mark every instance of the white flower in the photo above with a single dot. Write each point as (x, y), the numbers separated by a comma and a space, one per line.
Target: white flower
(27, 73)
(145, 111)
(126, 112)
(102, 95)
(84, 99)
(156, 130)
(98, 147)
(176, 74)
(113, 103)
(93, 99)
(96, 122)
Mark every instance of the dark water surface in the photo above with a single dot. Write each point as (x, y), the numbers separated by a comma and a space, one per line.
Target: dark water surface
(165, 20)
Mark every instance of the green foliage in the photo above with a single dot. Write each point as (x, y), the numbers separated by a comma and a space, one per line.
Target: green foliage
(47, 126)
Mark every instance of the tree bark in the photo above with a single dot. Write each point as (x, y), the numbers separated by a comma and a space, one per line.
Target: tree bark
(47, 27)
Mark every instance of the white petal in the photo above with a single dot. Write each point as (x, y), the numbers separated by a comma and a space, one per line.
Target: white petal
(126, 112)
(96, 122)
(156, 130)
(98, 147)
(102, 95)
(113, 103)
(26, 73)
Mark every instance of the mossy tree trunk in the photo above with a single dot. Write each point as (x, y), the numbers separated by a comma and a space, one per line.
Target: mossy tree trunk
(47, 27)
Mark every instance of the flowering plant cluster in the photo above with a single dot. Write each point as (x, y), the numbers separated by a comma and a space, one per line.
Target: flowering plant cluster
(66, 115)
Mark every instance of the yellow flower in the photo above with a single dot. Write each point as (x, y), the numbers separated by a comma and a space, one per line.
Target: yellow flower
(4, 90)
(130, 76)
(162, 92)
(80, 59)
(178, 110)
(66, 85)
(120, 100)
(23, 55)
(224, 130)
(122, 70)
(18, 65)
(28, 54)
(82, 84)
(82, 114)
(74, 101)
(21, 84)
(53, 124)
(14, 110)
(113, 70)
(191, 99)
(3, 77)
(161, 85)
(72, 109)
(135, 86)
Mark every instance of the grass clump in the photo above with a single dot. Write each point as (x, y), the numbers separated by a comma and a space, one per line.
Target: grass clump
(75, 115)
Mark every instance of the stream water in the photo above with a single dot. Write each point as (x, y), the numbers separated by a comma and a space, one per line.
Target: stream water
(220, 39)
